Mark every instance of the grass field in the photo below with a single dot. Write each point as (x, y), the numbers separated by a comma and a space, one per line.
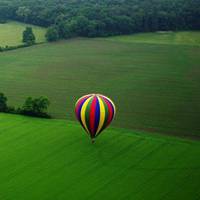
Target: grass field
(162, 37)
(155, 86)
(54, 160)
(11, 33)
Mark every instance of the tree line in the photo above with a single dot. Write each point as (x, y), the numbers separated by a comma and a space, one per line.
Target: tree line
(35, 107)
(92, 18)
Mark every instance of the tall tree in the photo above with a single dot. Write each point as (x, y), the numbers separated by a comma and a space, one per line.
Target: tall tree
(3, 103)
(23, 13)
(52, 34)
(28, 36)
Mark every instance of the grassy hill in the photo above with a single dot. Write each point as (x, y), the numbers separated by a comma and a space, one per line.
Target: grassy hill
(155, 86)
(11, 33)
(54, 159)
(162, 37)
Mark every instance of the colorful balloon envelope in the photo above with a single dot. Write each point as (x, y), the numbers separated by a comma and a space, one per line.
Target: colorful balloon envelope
(95, 112)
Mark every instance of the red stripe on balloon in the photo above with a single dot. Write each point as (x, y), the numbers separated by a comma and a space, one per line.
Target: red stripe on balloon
(92, 116)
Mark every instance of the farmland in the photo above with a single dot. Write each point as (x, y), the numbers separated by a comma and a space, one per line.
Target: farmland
(54, 159)
(56, 144)
(162, 37)
(155, 86)
(11, 33)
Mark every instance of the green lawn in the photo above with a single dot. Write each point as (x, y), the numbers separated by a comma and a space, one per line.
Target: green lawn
(154, 86)
(55, 160)
(11, 33)
(162, 37)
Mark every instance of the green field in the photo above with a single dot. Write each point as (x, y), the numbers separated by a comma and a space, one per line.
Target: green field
(55, 160)
(11, 33)
(162, 37)
(154, 86)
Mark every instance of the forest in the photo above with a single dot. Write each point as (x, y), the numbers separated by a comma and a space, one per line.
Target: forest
(92, 18)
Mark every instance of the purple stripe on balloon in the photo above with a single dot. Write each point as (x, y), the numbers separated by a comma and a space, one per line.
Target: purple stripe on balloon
(97, 115)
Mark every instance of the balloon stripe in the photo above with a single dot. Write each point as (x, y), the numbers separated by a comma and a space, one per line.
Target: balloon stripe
(83, 97)
(106, 116)
(78, 113)
(97, 115)
(112, 104)
(102, 115)
(79, 109)
(87, 113)
(92, 116)
(79, 105)
(113, 109)
(110, 112)
(83, 113)
(80, 101)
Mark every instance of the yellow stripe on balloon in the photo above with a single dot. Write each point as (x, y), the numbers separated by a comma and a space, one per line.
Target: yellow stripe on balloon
(102, 115)
(83, 113)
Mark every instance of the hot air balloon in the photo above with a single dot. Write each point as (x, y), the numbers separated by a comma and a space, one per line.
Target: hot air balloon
(94, 112)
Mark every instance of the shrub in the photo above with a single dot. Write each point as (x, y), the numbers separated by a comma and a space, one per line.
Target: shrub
(36, 107)
(28, 36)
(3, 103)
(3, 21)
(11, 109)
(52, 34)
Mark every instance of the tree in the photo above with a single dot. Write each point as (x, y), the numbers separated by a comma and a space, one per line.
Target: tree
(124, 24)
(36, 107)
(28, 36)
(23, 13)
(81, 26)
(3, 103)
(52, 34)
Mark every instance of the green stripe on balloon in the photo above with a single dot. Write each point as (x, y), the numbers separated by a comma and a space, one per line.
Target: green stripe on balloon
(87, 113)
